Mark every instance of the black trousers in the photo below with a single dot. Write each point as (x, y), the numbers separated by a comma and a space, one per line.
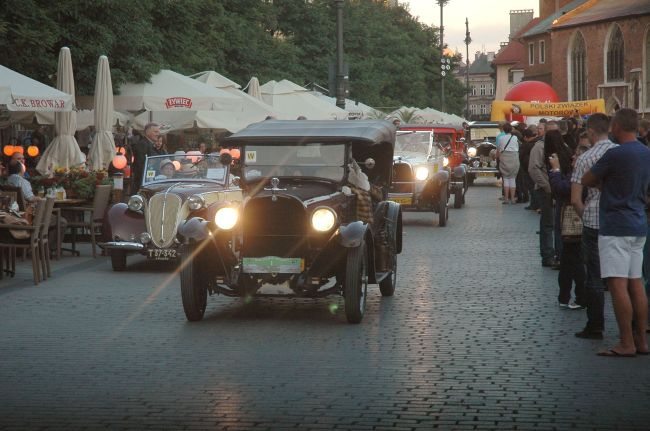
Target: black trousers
(572, 271)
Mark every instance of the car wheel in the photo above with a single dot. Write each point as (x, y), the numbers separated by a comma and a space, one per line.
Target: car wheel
(118, 260)
(194, 292)
(387, 285)
(443, 209)
(356, 283)
(458, 198)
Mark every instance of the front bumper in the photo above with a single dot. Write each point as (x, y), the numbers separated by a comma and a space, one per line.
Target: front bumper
(485, 170)
(123, 246)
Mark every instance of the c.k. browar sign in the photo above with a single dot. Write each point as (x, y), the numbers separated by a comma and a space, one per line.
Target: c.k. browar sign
(31, 104)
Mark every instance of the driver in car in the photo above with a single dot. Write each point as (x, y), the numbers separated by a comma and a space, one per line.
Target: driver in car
(167, 170)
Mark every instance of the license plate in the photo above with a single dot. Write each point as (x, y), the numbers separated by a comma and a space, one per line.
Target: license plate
(273, 264)
(485, 174)
(402, 201)
(162, 253)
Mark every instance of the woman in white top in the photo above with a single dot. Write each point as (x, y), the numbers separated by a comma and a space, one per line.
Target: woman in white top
(508, 155)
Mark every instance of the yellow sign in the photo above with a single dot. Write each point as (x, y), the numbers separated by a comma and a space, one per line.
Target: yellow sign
(501, 109)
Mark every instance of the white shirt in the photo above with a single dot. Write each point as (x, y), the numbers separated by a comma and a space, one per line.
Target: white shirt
(18, 181)
(502, 141)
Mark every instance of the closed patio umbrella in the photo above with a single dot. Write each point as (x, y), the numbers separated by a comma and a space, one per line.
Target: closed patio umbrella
(63, 151)
(254, 88)
(102, 150)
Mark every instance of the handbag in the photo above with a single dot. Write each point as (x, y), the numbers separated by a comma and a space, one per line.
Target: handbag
(570, 224)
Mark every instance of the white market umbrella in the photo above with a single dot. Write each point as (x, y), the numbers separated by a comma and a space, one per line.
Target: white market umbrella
(292, 101)
(181, 120)
(21, 93)
(171, 91)
(254, 88)
(63, 151)
(356, 110)
(252, 109)
(85, 118)
(102, 150)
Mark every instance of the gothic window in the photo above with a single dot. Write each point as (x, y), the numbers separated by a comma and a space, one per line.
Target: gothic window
(531, 54)
(542, 52)
(615, 56)
(579, 69)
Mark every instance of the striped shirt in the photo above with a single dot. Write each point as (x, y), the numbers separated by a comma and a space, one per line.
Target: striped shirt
(583, 164)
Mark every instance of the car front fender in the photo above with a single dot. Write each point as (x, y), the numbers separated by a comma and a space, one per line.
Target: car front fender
(195, 229)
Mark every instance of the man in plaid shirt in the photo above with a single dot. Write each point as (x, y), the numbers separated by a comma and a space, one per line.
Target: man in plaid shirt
(597, 131)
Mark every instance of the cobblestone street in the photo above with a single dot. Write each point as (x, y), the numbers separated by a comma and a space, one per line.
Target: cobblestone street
(472, 339)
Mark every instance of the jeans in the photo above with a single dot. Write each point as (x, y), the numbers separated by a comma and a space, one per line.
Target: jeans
(546, 248)
(557, 229)
(572, 270)
(534, 203)
(594, 285)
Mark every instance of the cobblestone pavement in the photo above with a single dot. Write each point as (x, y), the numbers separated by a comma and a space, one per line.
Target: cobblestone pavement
(472, 339)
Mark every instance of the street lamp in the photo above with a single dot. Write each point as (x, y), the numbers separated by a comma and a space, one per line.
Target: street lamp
(468, 40)
(340, 78)
(443, 72)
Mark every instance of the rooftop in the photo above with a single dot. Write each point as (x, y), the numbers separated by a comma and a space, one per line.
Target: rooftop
(545, 24)
(602, 10)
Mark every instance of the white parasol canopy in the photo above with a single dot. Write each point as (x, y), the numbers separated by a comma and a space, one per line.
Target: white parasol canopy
(85, 118)
(20, 93)
(356, 110)
(102, 150)
(63, 151)
(252, 109)
(254, 88)
(171, 91)
(292, 101)
(180, 120)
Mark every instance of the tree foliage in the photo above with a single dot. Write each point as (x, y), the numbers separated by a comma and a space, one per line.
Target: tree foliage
(393, 58)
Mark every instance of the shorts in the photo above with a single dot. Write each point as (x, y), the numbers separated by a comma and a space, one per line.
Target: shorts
(621, 256)
(509, 182)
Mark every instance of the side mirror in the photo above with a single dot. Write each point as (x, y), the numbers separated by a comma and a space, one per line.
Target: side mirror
(369, 163)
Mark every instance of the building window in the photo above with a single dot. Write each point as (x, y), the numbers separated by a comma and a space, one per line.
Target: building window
(473, 90)
(579, 68)
(482, 89)
(483, 109)
(542, 52)
(531, 54)
(491, 89)
(615, 57)
(511, 76)
(472, 109)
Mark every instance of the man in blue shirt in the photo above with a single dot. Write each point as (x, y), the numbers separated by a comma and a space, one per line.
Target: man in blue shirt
(623, 173)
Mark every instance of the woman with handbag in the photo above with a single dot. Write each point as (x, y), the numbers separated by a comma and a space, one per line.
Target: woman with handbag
(571, 267)
(508, 162)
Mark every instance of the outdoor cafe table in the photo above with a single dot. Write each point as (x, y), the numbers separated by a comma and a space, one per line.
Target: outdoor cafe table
(60, 205)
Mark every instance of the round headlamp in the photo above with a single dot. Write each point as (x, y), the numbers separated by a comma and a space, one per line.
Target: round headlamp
(471, 151)
(195, 202)
(323, 219)
(421, 173)
(136, 203)
(226, 218)
(445, 161)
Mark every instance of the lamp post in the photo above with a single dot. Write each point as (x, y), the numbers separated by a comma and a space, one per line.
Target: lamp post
(443, 61)
(340, 84)
(468, 40)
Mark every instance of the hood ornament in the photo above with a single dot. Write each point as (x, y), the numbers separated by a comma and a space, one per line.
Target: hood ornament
(275, 182)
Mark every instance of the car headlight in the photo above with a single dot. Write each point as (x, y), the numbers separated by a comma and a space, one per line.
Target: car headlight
(195, 202)
(445, 161)
(136, 203)
(471, 151)
(323, 219)
(421, 173)
(226, 218)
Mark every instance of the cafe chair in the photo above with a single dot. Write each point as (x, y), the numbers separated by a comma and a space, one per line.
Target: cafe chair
(15, 192)
(44, 240)
(90, 218)
(9, 245)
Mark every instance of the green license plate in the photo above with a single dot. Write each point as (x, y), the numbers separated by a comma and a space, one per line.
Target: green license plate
(273, 264)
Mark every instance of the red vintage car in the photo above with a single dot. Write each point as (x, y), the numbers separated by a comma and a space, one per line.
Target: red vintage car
(450, 139)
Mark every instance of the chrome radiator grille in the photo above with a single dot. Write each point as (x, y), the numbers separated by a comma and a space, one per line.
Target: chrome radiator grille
(162, 214)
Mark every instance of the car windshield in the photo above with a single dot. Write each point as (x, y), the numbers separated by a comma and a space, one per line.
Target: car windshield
(413, 142)
(309, 160)
(484, 133)
(185, 167)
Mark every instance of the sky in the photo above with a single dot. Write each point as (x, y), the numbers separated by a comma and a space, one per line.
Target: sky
(489, 21)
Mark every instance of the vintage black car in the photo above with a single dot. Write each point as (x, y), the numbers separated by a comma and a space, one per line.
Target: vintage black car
(314, 221)
(175, 187)
(481, 149)
(421, 172)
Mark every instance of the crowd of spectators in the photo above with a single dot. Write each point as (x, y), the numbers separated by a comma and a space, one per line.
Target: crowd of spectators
(598, 172)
